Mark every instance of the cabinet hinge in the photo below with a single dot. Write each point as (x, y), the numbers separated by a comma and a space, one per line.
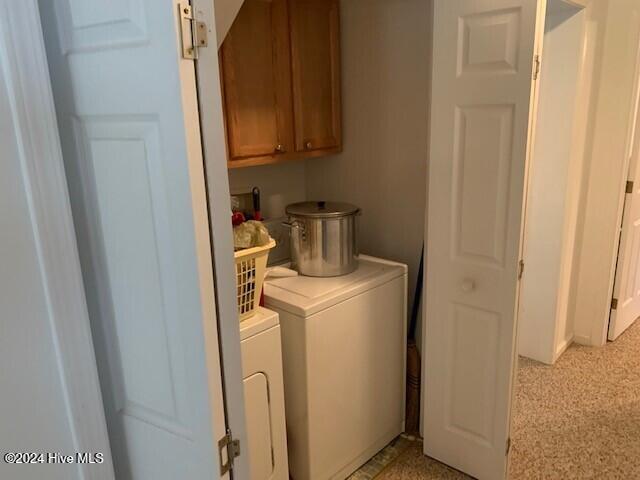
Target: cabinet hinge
(508, 448)
(614, 304)
(536, 66)
(629, 187)
(232, 448)
(520, 269)
(193, 34)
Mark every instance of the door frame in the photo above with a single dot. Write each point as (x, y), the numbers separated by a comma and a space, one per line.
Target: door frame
(577, 135)
(577, 166)
(612, 27)
(632, 132)
(24, 65)
(604, 88)
(213, 137)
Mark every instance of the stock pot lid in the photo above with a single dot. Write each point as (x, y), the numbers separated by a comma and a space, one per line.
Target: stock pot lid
(322, 209)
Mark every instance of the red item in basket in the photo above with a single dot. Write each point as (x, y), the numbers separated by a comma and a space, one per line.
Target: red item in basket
(237, 218)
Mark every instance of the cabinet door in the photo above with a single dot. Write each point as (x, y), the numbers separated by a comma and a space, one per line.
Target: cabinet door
(315, 49)
(256, 68)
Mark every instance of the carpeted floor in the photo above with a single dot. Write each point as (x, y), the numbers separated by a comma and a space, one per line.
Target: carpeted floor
(578, 419)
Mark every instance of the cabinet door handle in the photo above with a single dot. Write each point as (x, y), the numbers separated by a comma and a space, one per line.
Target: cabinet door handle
(308, 145)
(280, 148)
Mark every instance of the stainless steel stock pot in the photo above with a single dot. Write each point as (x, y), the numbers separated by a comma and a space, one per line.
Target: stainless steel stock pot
(323, 237)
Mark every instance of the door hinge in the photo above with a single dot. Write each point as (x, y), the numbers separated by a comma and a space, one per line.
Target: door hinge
(614, 304)
(508, 448)
(193, 33)
(520, 269)
(232, 448)
(629, 187)
(536, 66)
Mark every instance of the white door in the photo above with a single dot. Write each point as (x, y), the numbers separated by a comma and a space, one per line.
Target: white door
(627, 281)
(483, 56)
(127, 111)
(50, 397)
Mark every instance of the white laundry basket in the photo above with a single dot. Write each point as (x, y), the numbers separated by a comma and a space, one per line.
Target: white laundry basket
(251, 267)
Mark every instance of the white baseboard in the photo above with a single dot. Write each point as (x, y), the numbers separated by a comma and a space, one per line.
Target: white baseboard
(582, 340)
(560, 349)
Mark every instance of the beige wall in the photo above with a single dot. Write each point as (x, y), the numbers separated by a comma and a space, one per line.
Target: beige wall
(385, 81)
(279, 184)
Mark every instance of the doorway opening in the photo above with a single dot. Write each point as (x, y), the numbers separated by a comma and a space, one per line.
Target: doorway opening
(566, 379)
(344, 352)
(554, 187)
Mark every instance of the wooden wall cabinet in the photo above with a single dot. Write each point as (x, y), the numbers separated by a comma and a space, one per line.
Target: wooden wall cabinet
(280, 70)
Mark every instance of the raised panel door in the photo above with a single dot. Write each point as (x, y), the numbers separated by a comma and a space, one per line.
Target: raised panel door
(255, 61)
(482, 92)
(315, 61)
(129, 128)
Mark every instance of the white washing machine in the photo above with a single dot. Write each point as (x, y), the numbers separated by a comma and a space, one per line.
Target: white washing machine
(264, 396)
(343, 346)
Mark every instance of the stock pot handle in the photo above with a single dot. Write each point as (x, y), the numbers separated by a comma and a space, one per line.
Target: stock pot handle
(293, 224)
(299, 226)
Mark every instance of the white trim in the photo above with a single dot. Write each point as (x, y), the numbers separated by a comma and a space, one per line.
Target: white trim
(560, 349)
(24, 67)
(613, 37)
(206, 262)
(577, 167)
(215, 158)
(600, 336)
(581, 340)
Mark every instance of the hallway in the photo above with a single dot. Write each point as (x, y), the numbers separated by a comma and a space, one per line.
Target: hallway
(578, 419)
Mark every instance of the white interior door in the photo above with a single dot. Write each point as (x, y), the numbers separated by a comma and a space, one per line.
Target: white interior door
(483, 52)
(127, 110)
(627, 281)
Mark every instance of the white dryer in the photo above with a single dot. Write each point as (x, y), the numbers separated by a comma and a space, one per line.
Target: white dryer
(343, 345)
(264, 396)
